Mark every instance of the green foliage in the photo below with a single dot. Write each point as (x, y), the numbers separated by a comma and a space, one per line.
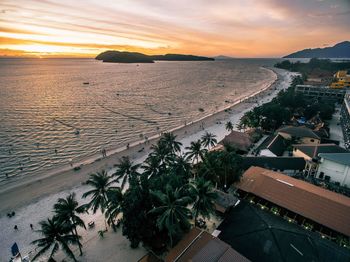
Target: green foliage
(54, 237)
(125, 170)
(222, 168)
(172, 212)
(204, 196)
(314, 63)
(270, 116)
(208, 140)
(229, 126)
(195, 151)
(138, 225)
(66, 212)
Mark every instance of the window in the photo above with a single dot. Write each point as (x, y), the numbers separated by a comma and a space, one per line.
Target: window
(312, 140)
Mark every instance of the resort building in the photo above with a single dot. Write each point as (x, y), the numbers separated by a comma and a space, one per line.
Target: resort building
(261, 235)
(311, 155)
(345, 119)
(241, 141)
(342, 80)
(286, 165)
(272, 146)
(321, 92)
(299, 134)
(335, 168)
(310, 151)
(310, 206)
(199, 246)
(224, 201)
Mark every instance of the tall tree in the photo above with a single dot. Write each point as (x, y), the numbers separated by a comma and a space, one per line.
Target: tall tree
(221, 167)
(195, 151)
(125, 170)
(66, 211)
(204, 198)
(101, 184)
(151, 167)
(172, 210)
(229, 126)
(208, 140)
(54, 237)
(169, 140)
(115, 198)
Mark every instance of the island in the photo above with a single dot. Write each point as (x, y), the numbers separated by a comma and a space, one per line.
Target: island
(134, 57)
(340, 50)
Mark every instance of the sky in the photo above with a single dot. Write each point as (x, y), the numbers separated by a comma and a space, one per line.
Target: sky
(245, 28)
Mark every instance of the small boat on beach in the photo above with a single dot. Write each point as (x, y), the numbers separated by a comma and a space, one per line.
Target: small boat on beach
(86, 83)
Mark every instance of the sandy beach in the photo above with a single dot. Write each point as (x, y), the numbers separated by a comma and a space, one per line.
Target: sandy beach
(32, 197)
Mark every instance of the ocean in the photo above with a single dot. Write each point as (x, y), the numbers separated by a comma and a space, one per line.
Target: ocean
(57, 111)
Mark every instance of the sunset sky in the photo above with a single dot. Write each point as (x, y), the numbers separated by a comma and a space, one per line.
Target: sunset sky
(250, 28)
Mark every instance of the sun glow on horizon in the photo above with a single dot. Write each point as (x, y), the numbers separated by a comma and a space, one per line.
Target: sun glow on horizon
(251, 28)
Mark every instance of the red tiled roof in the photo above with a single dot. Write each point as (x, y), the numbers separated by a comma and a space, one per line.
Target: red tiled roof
(320, 205)
(200, 246)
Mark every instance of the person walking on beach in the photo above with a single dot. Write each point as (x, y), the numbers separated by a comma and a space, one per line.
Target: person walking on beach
(31, 226)
(15, 227)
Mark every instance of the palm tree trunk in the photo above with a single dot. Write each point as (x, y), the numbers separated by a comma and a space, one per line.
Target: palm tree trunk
(171, 240)
(195, 217)
(79, 244)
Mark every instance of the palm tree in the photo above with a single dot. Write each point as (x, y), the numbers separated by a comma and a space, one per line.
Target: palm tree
(101, 184)
(204, 197)
(113, 208)
(67, 210)
(173, 212)
(208, 140)
(151, 167)
(54, 237)
(195, 151)
(169, 140)
(125, 170)
(229, 126)
(161, 153)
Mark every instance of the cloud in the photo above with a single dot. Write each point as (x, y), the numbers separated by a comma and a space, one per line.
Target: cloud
(240, 28)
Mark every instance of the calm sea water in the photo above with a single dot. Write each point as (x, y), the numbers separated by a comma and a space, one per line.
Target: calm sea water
(48, 116)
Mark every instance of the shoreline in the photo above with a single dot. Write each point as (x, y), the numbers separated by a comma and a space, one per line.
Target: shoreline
(32, 188)
(33, 201)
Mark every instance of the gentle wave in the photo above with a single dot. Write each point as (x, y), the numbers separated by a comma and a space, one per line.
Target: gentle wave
(49, 117)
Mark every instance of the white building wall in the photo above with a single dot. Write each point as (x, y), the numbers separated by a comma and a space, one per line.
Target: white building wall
(337, 172)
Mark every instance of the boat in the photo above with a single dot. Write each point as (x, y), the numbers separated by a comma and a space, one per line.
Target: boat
(86, 83)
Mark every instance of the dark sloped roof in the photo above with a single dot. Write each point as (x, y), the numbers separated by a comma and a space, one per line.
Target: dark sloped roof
(275, 163)
(313, 150)
(224, 200)
(262, 236)
(238, 140)
(299, 131)
(200, 246)
(341, 158)
(325, 207)
(274, 143)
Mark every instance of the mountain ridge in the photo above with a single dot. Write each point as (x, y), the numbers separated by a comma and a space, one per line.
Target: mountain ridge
(339, 50)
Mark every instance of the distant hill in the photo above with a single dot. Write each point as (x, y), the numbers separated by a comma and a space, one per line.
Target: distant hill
(124, 57)
(340, 50)
(133, 57)
(223, 57)
(178, 57)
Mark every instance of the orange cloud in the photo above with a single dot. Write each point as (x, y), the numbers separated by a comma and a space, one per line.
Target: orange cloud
(253, 28)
